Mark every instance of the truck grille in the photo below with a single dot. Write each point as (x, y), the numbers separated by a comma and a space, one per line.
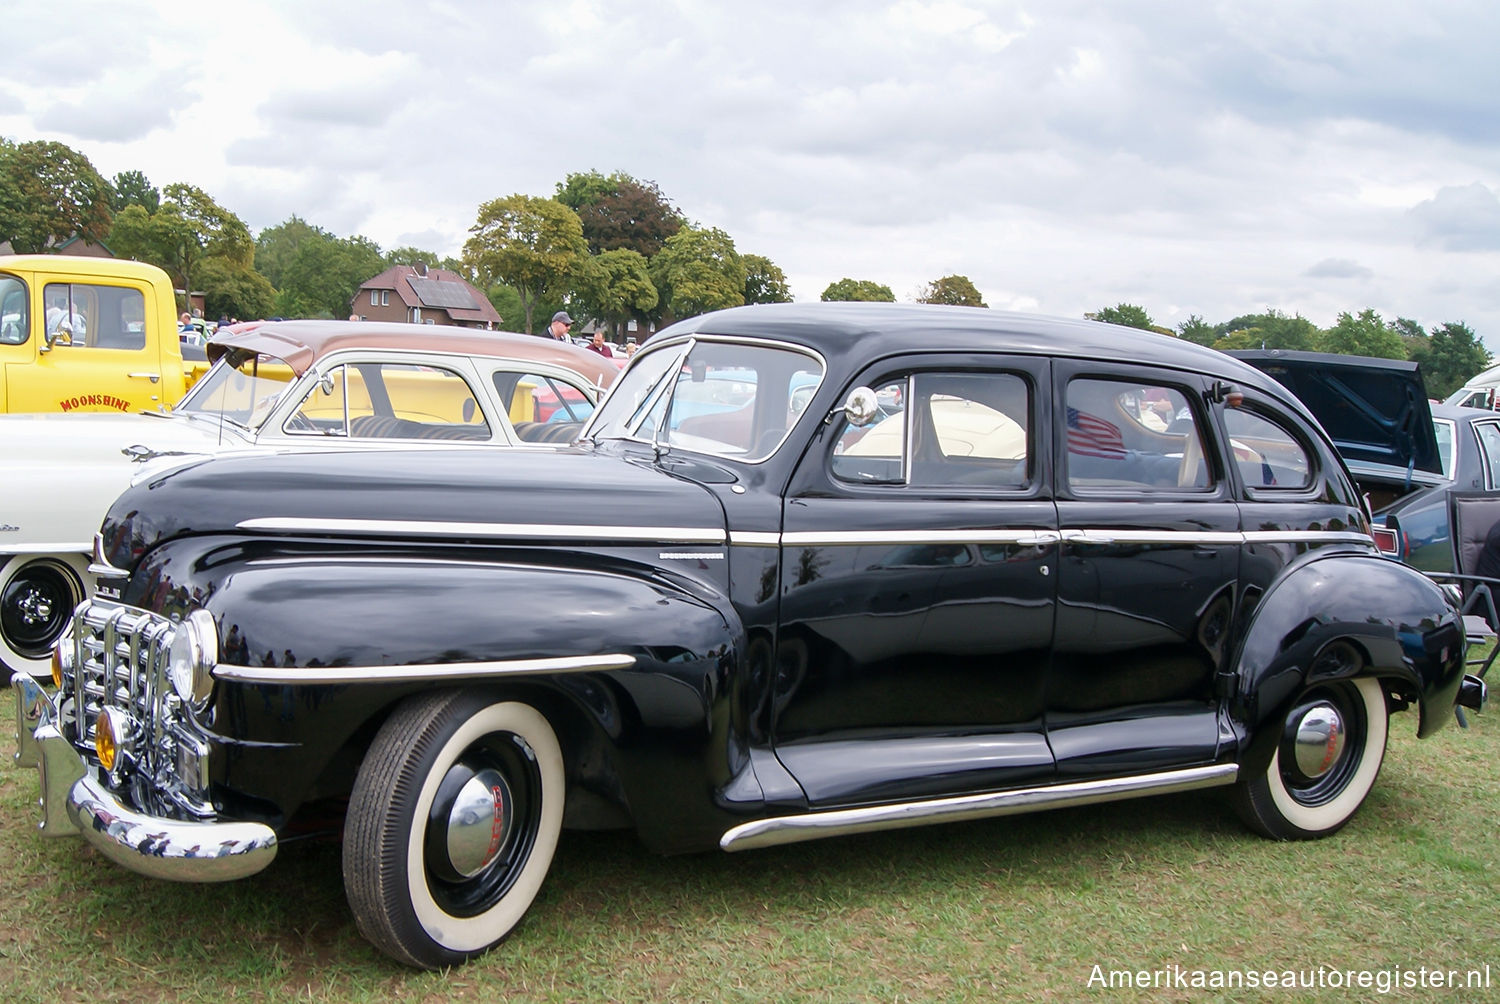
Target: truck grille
(119, 660)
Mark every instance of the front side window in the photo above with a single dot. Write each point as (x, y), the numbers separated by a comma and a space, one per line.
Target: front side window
(724, 398)
(15, 312)
(405, 401)
(538, 397)
(83, 315)
(942, 430)
(1140, 437)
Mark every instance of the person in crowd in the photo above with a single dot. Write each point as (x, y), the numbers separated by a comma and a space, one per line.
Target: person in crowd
(558, 329)
(59, 311)
(598, 345)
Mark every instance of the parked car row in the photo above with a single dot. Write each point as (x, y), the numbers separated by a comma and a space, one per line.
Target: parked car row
(275, 386)
(808, 570)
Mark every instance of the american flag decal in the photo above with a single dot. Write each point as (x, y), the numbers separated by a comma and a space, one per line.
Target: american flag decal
(1089, 436)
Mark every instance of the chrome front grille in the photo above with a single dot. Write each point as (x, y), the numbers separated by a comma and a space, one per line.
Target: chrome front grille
(119, 660)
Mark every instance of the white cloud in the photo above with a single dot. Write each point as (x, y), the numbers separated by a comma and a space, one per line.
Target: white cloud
(1189, 157)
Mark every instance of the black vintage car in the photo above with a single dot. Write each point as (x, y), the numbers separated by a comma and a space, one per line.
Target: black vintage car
(810, 570)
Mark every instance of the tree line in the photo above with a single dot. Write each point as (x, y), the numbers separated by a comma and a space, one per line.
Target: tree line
(1449, 353)
(611, 248)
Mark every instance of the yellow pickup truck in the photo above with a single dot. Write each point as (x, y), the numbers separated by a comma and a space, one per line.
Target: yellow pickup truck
(90, 334)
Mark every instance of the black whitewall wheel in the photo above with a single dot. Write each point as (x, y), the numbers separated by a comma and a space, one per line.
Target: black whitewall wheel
(452, 825)
(1328, 754)
(37, 596)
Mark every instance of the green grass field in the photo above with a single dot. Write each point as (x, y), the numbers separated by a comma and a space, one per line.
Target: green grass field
(1018, 908)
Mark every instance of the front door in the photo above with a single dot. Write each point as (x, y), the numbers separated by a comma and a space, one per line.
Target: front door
(917, 588)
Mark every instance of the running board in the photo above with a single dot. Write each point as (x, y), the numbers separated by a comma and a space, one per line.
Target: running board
(867, 819)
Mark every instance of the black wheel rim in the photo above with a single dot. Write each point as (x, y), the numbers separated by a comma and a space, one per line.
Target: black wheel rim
(512, 758)
(35, 607)
(1345, 699)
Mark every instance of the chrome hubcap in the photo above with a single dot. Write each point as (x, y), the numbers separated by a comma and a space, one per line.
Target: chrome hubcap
(1319, 740)
(478, 822)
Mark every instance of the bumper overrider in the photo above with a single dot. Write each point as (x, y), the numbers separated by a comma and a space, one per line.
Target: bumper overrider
(75, 801)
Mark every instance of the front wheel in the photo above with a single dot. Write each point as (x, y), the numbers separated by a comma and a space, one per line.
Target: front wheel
(1329, 752)
(451, 827)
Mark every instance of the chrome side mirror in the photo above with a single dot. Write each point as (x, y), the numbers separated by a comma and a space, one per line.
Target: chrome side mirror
(861, 407)
(325, 383)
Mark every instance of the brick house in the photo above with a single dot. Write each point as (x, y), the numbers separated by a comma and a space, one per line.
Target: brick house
(423, 295)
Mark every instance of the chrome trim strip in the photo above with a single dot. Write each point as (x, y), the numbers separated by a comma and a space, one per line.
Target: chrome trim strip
(754, 538)
(65, 547)
(841, 822)
(1307, 537)
(318, 675)
(798, 538)
(832, 538)
(497, 531)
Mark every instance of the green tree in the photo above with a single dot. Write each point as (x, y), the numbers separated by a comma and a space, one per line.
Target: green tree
(620, 211)
(615, 286)
(229, 291)
(324, 275)
(1127, 314)
(507, 303)
(189, 229)
(765, 282)
(1452, 354)
(1365, 334)
(1196, 330)
(533, 245)
(275, 247)
(132, 188)
(49, 193)
(697, 271)
(858, 289)
(956, 290)
(1270, 330)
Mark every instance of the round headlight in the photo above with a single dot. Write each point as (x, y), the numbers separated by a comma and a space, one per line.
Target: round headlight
(191, 659)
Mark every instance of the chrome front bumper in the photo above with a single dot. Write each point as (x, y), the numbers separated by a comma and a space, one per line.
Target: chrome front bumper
(75, 802)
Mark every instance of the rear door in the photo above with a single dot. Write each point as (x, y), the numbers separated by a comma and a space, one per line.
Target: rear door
(917, 588)
(1149, 563)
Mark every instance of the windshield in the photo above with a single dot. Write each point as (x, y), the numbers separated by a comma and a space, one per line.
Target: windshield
(724, 398)
(242, 388)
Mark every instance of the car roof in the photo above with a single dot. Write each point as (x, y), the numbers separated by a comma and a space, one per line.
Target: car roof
(881, 329)
(301, 343)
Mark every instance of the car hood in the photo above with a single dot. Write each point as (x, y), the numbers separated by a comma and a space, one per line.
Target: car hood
(1375, 410)
(61, 471)
(467, 496)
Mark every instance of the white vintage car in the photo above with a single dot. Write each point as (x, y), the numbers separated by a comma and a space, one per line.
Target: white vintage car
(275, 386)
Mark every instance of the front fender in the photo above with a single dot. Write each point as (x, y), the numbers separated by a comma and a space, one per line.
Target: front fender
(453, 617)
(1416, 639)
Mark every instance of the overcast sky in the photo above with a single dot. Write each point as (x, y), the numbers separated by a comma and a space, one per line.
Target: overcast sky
(1191, 157)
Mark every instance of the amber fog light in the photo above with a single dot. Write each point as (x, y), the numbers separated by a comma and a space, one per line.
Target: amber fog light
(114, 737)
(57, 666)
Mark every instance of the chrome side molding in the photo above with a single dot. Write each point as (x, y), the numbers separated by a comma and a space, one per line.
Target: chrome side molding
(867, 819)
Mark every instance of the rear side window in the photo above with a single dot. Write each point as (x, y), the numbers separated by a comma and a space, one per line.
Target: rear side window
(1140, 437)
(1265, 454)
(1489, 445)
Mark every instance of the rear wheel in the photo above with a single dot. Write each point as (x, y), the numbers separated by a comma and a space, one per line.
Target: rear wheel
(452, 824)
(1327, 757)
(37, 597)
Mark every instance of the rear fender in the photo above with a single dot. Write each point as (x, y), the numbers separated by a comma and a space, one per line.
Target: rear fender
(1416, 643)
